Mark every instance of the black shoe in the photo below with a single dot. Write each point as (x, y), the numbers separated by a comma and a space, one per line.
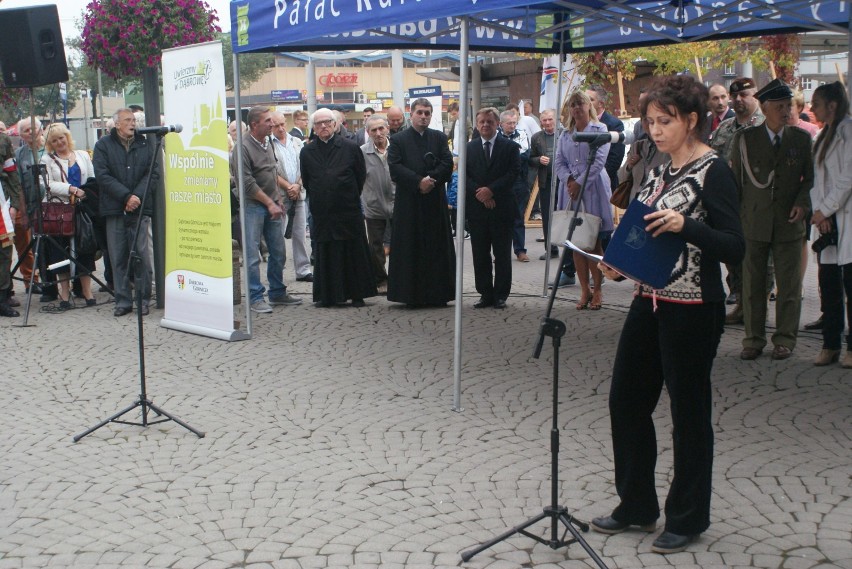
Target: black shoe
(669, 542)
(499, 304)
(121, 311)
(611, 526)
(358, 303)
(815, 325)
(483, 303)
(91, 302)
(64, 305)
(8, 311)
(48, 297)
(309, 278)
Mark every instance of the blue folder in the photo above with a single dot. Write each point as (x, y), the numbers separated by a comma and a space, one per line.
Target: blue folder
(634, 253)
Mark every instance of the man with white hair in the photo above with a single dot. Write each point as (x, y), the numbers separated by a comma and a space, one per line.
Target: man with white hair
(33, 194)
(334, 171)
(287, 150)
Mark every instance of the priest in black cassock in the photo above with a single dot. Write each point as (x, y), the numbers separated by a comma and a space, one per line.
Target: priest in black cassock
(333, 171)
(422, 267)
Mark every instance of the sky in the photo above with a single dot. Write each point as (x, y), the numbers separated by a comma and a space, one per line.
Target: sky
(71, 10)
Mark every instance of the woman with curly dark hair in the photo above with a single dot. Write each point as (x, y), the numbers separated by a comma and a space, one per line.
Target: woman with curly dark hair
(670, 336)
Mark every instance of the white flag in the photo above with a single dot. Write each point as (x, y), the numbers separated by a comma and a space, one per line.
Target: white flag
(571, 79)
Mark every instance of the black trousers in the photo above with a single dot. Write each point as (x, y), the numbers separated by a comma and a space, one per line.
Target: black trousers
(674, 346)
(376, 229)
(489, 235)
(834, 282)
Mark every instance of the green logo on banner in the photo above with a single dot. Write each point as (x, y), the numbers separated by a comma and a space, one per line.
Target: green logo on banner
(242, 25)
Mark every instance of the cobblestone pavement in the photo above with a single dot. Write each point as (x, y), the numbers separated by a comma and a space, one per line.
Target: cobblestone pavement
(331, 442)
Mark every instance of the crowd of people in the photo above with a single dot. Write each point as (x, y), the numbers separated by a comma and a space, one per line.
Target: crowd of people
(740, 175)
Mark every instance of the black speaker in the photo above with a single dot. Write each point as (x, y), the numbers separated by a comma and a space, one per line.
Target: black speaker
(31, 48)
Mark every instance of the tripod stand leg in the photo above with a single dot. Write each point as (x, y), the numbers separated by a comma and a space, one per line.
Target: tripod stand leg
(468, 555)
(159, 411)
(570, 522)
(109, 419)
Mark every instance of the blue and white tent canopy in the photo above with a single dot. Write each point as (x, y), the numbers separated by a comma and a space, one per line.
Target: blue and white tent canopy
(512, 25)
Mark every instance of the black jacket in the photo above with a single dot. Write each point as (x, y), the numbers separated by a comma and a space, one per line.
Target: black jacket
(499, 176)
(122, 173)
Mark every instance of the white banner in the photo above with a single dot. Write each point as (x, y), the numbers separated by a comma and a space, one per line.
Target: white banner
(199, 267)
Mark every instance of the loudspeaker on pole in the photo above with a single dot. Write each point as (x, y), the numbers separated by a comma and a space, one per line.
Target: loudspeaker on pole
(32, 52)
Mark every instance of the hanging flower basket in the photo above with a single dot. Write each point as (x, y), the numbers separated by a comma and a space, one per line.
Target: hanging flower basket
(123, 37)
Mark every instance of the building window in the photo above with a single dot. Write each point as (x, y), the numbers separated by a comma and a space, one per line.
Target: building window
(729, 69)
(807, 83)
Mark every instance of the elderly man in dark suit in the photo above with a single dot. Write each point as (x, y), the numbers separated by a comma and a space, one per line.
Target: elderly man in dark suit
(493, 163)
(773, 166)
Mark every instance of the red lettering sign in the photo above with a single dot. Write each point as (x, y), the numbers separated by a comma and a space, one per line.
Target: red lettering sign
(338, 79)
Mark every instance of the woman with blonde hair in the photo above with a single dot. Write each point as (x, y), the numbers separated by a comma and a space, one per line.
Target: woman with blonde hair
(578, 115)
(67, 170)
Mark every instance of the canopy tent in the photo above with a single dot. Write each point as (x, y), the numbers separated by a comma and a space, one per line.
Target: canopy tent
(521, 26)
(508, 25)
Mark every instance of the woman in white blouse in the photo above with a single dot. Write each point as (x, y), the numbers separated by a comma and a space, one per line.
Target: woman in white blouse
(67, 170)
(833, 216)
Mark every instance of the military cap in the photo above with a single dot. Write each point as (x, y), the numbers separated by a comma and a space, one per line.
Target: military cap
(775, 90)
(741, 84)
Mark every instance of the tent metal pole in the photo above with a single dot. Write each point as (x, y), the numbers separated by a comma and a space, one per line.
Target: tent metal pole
(460, 213)
(553, 188)
(238, 116)
(849, 57)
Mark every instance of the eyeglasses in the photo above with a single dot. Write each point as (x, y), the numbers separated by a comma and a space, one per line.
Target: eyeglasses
(326, 122)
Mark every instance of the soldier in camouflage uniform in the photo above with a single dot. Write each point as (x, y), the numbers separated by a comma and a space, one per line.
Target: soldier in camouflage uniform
(746, 113)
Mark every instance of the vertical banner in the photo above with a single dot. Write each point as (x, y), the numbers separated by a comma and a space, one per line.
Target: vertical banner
(199, 266)
(435, 97)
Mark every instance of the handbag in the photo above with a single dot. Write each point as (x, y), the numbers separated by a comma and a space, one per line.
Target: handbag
(621, 196)
(84, 233)
(585, 233)
(57, 218)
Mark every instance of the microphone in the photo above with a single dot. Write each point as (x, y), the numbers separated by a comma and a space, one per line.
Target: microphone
(160, 130)
(613, 137)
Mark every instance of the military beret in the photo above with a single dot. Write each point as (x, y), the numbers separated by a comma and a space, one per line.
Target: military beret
(775, 90)
(741, 84)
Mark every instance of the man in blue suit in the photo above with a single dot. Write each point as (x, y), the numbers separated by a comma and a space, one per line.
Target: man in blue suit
(493, 163)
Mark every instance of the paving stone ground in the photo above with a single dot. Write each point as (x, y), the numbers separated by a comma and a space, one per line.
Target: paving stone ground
(331, 442)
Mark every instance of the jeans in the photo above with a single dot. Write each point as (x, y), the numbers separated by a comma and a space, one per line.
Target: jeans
(301, 258)
(259, 223)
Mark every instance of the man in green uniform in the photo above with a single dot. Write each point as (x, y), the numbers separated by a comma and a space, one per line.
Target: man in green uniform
(773, 167)
(746, 113)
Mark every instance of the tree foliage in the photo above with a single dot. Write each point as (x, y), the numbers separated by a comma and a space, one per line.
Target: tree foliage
(252, 65)
(15, 103)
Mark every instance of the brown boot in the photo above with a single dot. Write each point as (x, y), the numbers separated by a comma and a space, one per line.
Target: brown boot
(735, 316)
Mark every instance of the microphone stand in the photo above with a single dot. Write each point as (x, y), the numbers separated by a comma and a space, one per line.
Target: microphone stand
(139, 276)
(554, 329)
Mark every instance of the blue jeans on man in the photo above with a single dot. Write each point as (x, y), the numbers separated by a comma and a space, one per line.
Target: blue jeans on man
(259, 223)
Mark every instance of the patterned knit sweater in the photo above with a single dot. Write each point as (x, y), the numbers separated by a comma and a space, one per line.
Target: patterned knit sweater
(705, 193)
